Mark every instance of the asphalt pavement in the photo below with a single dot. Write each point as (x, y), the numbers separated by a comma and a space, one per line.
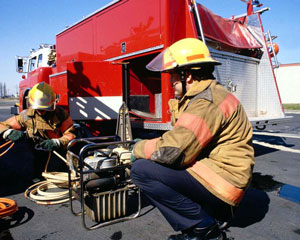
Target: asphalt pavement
(269, 210)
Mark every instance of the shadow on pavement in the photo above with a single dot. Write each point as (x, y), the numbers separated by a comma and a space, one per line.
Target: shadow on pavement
(146, 206)
(255, 203)
(272, 140)
(116, 236)
(21, 166)
(252, 209)
(265, 182)
(22, 216)
(262, 150)
(16, 167)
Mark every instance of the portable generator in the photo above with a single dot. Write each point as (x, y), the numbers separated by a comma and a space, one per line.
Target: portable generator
(102, 184)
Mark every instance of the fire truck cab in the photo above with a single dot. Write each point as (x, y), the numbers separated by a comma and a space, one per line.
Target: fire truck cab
(40, 57)
(36, 68)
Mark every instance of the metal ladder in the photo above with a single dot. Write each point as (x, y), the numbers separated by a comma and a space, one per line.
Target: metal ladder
(197, 20)
(269, 40)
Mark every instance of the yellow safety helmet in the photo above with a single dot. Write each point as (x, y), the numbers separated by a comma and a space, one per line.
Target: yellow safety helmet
(42, 97)
(185, 53)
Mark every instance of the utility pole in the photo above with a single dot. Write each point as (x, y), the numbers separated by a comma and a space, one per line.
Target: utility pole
(4, 90)
(17, 91)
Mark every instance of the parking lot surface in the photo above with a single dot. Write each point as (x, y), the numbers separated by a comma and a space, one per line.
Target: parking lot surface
(269, 210)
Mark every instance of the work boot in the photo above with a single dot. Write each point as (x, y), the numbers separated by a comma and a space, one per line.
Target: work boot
(209, 233)
(222, 225)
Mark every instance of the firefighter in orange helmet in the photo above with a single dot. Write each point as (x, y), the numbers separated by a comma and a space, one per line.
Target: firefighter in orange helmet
(196, 173)
(43, 122)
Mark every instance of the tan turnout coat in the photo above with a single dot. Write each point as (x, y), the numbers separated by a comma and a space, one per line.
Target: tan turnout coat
(211, 139)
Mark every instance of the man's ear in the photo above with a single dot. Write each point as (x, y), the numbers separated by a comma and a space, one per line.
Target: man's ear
(189, 77)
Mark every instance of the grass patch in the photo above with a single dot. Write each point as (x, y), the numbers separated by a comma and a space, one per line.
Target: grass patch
(291, 106)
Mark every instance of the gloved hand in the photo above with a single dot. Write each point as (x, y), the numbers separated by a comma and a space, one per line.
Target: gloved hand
(132, 158)
(50, 144)
(14, 135)
(136, 140)
(131, 147)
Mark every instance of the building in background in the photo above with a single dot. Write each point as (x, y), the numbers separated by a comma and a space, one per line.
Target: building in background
(288, 80)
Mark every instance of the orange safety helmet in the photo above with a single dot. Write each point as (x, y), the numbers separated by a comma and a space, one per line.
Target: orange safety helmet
(185, 53)
(42, 97)
(270, 49)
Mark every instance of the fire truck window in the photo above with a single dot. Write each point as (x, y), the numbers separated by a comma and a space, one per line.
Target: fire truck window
(32, 62)
(39, 64)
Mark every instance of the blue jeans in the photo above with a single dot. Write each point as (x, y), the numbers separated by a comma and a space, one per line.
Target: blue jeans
(182, 200)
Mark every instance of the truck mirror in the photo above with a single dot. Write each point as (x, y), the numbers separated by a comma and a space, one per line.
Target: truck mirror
(19, 64)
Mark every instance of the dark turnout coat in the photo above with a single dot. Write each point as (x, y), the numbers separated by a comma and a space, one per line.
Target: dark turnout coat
(58, 124)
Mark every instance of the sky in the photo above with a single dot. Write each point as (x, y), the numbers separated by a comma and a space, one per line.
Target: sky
(25, 24)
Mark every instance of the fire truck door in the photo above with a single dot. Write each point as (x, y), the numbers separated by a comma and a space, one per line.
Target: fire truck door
(95, 90)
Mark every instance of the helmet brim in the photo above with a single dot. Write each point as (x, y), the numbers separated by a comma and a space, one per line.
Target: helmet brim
(166, 62)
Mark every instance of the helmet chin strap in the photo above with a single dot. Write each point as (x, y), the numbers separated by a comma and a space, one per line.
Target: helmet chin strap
(183, 82)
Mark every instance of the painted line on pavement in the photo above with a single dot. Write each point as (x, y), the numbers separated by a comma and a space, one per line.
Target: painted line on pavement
(292, 112)
(290, 192)
(5, 107)
(287, 135)
(281, 148)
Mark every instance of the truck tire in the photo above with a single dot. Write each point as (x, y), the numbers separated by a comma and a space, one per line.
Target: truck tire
(25, 104)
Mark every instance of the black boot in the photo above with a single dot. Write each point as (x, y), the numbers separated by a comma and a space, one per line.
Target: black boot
(223, 225)
(213, 232)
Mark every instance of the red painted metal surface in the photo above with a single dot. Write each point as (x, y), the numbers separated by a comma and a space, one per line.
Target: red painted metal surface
(91, 79)
(60, 86)
(135, 23)
(90, 53)
(39, 75)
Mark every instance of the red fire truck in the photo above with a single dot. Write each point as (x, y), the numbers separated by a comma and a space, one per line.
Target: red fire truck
(99, 62)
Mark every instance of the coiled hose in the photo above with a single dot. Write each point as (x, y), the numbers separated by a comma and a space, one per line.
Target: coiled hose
(4, 144)
(56, 182)
(53, 190)
(7, 207)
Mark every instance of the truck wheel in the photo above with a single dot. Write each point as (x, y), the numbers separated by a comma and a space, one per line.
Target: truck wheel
(25, 103)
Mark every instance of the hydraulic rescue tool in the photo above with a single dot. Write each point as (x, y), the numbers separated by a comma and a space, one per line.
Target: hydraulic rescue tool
(102, 164)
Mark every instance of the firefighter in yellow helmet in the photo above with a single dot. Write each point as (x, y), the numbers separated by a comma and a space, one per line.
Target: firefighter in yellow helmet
(43, 123)
(196, 173)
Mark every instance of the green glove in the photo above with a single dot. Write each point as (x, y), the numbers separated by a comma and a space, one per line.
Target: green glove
(132, 158)
(136, 140)
(16, 135)
(49, 145)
